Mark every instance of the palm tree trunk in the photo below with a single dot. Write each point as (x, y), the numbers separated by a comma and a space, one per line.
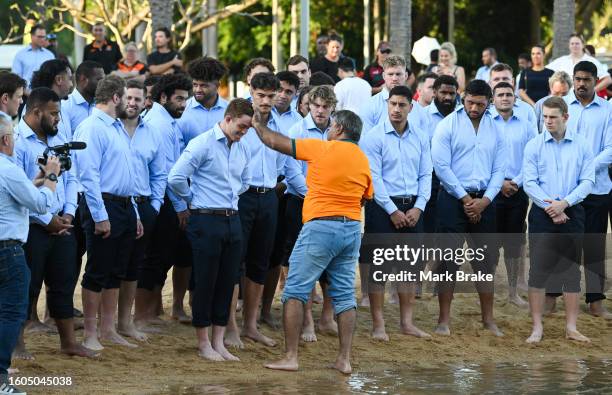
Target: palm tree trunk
(400, 21)
(563, 26)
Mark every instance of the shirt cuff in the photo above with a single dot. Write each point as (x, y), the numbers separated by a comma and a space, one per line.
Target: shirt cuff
(70, 209)
(390, 207)
(43, 219)
(459, 192)
(490, 194)
(156, 204)
(180, 205)
(420, 203)
(99, 216)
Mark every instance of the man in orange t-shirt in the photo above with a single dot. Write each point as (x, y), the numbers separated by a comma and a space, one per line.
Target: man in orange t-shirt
(338, 181)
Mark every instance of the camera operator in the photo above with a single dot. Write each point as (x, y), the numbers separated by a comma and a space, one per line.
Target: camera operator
(17, 197)
(51, 246)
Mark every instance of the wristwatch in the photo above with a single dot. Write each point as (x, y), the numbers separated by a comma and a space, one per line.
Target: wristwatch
(51, 177)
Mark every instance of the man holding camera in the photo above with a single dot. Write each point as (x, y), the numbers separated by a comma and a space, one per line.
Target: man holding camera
(51, 245)
(17, 197)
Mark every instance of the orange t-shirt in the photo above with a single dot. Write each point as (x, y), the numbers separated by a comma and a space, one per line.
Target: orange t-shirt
(338, 178)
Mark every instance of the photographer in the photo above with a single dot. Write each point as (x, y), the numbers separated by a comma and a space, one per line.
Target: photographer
(17, 197)
(51, 245)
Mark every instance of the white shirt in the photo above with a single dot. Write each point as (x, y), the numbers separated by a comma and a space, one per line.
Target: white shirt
(565, 63)
(351, 93)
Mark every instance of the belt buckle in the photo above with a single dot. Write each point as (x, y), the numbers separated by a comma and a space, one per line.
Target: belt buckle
(228, 213)
(261, 189)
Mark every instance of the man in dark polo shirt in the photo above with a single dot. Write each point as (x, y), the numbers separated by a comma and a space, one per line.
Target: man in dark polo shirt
(374, 72)
(164, 60)
(102, 50)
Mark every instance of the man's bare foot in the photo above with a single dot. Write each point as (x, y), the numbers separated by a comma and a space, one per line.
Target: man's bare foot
(518, 301)
(597, 309)
(232, 339)
(492, 327)
(379, 333)
(365, 302)
(20, 352)
(39, 327)
(268, 319)
(412, 330)
(288, 364)
(226, 355)
(308, 334)
(536, 336)
(575, 335)
(180, 316)
(207, 352)
(343, 366)
(328, 327)
(115, 338)
(78, 350)
(143, 326)
(258, 337)
(131, 331)
(156, 321)
(550, 305)
(93, 343)
(442, 329)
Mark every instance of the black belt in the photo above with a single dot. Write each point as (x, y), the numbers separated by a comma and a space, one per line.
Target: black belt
(403, 199)
(476, 194)
(225, 212)
(339, 218)
(115, 198)
(141, 199)
(10, 243)
(261, 190)
(296, 196)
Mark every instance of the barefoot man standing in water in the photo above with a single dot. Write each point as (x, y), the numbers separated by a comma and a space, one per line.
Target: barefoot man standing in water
(338, 181)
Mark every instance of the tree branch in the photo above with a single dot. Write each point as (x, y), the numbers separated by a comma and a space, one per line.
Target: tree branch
(223, 13)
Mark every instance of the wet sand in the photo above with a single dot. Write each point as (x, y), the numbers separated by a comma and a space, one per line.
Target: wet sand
(169, 361)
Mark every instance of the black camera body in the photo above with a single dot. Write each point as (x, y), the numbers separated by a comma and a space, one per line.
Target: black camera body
(62, 152)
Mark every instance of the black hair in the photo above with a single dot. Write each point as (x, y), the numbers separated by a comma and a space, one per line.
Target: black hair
(525, 56)
(297, 59)
(346, 64)
(587, 67)
(45, 76)
(433, 55)
(169, 83)
(265, 81)
(40, 96)
(401, 90)
(289, 77)
(10, 82)
(152, 80)
(424, 77)
(206, 69)
(320, 78)
(501, 85)
(445, 80)
(87, 68)
(478, 88)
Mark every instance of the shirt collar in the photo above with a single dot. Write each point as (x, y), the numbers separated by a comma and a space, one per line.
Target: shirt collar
(98, 46)
(78, 98)
(25, 130)
(572, 99)
(6, 116)
(569, 135)
(104, 117)
(388, 127)
(310, 124)
(159, 109)
(193, 103)
(289, 111)
(219, 135)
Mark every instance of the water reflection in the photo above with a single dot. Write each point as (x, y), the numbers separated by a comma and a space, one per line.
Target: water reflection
(577, 376)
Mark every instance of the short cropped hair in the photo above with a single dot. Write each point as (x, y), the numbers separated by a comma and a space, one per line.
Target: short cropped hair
(491, 51)
(424, 77)
(265, 81)
(323, 92)
(10, 82)
(335, 37)
(501, 67)
(320, 78)
(587, 67)
(168, 84)
(349, 123)
(445, 80)
(135, 84)
(478, 88)
(289, 77)
(206, 69)
(501, 85)
(108, 87)
(39, 97)
(556, 102)
(394, 61)
(297, 59)
(239, 107)
(346, 64)
(86, 69)
(401, 90)
(152, 80)
(258, 62)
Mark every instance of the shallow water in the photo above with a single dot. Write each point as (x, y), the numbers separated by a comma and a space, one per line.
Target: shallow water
(577, 377)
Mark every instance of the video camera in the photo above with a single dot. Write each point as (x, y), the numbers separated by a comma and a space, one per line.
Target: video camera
(62, 152)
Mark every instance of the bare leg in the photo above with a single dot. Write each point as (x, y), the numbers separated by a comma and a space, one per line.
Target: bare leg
(550, 305)
(110, 298)
(180, 283)
(572, 301)
(283, 277)
(205, 349)
(377, 301)
(252, 297)
(125, 325)
(20, 351)
(597, 309)
(512, 267)
(308, 327)
(268, 297)
(522, 279)
(91, 304)
(536, 305)
(346, 328)
(232, 334)
(327, 325)
(217, 344)
(445, 298)
(364, 274)
(293, 313)
(406, 309)
(68, 343)
(144, 310)
(486, 308)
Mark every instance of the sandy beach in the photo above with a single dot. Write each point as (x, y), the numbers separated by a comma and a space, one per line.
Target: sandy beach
(169, 361)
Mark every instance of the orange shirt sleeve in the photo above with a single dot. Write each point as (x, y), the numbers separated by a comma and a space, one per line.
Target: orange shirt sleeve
(308, 149)
(369, 192)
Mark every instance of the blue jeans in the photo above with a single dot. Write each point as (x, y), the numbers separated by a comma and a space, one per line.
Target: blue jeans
(325, 245)
(14, 286)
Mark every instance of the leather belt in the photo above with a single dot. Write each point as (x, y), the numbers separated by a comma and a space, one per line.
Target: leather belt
(10, 243)
(261, 190)
(141, 199)
(339, 218)
(225, 212)
(115, 198)
(403, 199)
(476, 194)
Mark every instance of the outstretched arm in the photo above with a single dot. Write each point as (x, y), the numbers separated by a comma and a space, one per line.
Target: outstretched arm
(274, 140)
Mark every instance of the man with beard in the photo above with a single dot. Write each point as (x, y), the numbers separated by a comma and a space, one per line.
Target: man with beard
(217, 163)
(149, 83)
(374, 109)
(206, 107)
(108, 212)
(51, 246)
(591, 117)
(469, 155)
(444, 101)
(169, 245)
(80, 102)
(150, 184)
(511, 202)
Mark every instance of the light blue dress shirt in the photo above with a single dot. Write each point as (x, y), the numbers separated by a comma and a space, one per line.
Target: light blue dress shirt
(27, 150)
(106, 164)
(149, 161)
(539, 114)
(466, 161)
(484, 72)
(295, 170)
(172, 143)
(594, 123)
(287, 119)
(6, 116)
(430, 120)
(416, 115)
(218, 173)
(74, 111)
(197, 119)
(18, 196)
(400, 165)
(374, 110)
(558, 170)
(516, 133)
(29, 60)
(524, 111)
(266, 164)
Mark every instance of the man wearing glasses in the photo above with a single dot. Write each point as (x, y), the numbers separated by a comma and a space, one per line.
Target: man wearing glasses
(29, 59)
